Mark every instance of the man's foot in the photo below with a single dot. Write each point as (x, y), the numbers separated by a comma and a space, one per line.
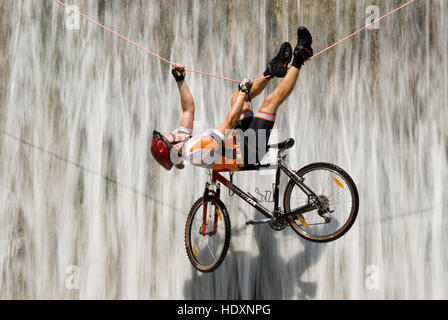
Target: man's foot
(278, 66)
(303, 50)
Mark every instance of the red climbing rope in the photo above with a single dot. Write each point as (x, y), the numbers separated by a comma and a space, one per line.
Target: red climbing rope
(216, 76)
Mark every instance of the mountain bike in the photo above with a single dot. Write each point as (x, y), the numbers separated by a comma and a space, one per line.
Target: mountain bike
(320, 204)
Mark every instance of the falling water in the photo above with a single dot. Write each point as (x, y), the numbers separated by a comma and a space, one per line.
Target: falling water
(86, 213)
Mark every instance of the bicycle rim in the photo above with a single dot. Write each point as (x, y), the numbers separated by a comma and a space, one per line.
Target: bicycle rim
(333, 186)
(207, 244)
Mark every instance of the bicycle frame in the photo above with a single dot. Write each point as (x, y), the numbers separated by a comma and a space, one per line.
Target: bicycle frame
(215, 219)
(279, 166)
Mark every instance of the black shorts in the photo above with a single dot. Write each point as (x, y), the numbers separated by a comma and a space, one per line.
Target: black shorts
(257, 130)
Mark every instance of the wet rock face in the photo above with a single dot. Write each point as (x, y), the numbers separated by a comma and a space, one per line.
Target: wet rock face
(86, 213)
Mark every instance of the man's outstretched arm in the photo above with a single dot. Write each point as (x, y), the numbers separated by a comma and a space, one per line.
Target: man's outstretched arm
(186, 98)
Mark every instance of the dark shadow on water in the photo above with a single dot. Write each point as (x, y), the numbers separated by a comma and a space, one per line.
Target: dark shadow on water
(267, 275)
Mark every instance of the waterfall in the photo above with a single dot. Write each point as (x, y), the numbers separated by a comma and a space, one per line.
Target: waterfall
(85, 212)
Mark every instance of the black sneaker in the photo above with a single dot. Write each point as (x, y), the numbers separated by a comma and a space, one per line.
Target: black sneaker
(303, 50)
(278, 66)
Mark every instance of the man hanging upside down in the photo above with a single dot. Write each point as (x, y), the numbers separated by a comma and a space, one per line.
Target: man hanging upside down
(211, 150)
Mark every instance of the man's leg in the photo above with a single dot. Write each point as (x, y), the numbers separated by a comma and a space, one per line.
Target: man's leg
(256, 137)
(264, 120)
(273, 101)
(270, 105)
(277, 67)
(259, 131)
(302, 52)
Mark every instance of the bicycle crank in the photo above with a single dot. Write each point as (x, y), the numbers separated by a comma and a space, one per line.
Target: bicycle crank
(279, 223)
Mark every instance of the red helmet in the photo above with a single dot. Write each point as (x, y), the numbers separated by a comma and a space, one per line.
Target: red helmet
(161, 150)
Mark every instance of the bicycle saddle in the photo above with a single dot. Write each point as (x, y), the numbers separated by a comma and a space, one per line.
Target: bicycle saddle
(287, 144)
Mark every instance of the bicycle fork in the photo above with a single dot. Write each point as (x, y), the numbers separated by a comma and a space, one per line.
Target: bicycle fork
(217, 215)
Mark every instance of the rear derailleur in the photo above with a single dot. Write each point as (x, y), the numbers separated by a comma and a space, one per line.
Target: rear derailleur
(324, 208)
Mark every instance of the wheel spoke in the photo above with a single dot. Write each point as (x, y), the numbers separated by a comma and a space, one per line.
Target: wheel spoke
(337, 192)
(211, 251)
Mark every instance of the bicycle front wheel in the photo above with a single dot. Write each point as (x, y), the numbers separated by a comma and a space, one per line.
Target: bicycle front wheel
(339, 203)
(207, 234)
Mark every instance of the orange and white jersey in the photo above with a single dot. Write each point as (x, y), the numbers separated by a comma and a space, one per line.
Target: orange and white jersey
(202, 151)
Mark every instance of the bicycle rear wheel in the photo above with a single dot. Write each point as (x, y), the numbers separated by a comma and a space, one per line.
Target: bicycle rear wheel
(339, 202)
(207, 234)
